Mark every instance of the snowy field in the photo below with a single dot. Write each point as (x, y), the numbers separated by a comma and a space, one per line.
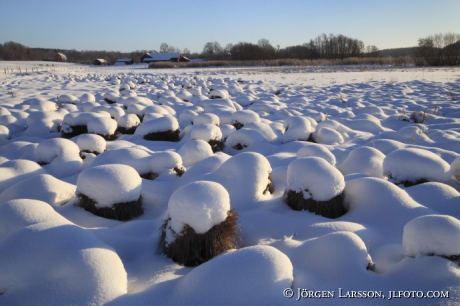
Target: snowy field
(102, 169)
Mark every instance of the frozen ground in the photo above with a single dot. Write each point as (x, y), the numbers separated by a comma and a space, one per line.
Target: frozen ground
(387, 139)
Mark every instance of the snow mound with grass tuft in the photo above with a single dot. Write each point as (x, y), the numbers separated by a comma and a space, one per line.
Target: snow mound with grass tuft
(194, 150)
(316, 175)
(201, 205)
(110, 184)
(432, 234)
(162, 124)
(91, 143)
(414, 164)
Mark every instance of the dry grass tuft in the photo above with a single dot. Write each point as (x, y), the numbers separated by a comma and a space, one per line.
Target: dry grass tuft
(191, 249)
(152, 175)
(384, 61)
(120, 211)
(163, 136)
(217, 145)
(333, 208)
(129, 131)
(110, 101)
(270, 187)
(238, 125)
(76, 130)
(411, 183)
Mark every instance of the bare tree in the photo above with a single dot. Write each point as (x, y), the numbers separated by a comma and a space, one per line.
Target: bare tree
(212, 50)
(164, 48)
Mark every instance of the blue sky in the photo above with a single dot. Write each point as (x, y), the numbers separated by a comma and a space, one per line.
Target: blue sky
(140, 24)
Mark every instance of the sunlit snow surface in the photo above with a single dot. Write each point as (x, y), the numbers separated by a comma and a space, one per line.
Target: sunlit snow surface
(55, 253)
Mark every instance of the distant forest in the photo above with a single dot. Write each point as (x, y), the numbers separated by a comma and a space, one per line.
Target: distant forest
(436, 50)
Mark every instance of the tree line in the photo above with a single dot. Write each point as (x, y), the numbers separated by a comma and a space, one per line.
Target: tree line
(435, 50)
(438, 50)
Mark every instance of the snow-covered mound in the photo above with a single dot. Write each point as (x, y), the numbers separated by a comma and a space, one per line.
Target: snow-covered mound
(61, 258)
(200, 205)
(414, 165)
(43, 187)
(315, 178)
(14, 171)
(59, 157)
(313, 149)
(364, 160)
(193, 151)
(110, 184)
(432, 235)
(273, 268)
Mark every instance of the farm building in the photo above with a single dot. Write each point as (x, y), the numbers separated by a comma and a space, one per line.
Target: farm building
(124, 61)
(100, 62)
(60, 57)
(163, 57)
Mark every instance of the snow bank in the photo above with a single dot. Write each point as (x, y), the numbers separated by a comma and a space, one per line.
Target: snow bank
(432, 234)
(110, 184)
(230, 276)
(43, 187)
(14, 171)
(18, 213)
(60, 156)
(60, 258)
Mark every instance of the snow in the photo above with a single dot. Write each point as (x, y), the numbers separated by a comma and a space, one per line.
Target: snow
(315, 178)
(432, 234)
(162, 124)
(364, 160)
(313, 149)
(206, 132)
(43, 187)
(53, 252)
(455, 168)
(102, 126)
(194, 150)
(60, 156)
(128, 121)
(92, 143)
(110, 184)
(273, 268)
(200, 205)
(413, 164)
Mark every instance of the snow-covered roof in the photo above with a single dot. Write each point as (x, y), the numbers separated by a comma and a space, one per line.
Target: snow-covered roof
(101, 60)
(124, 60)
(162, 56)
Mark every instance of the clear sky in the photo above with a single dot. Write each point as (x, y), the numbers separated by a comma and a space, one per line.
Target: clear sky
(126, 25)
